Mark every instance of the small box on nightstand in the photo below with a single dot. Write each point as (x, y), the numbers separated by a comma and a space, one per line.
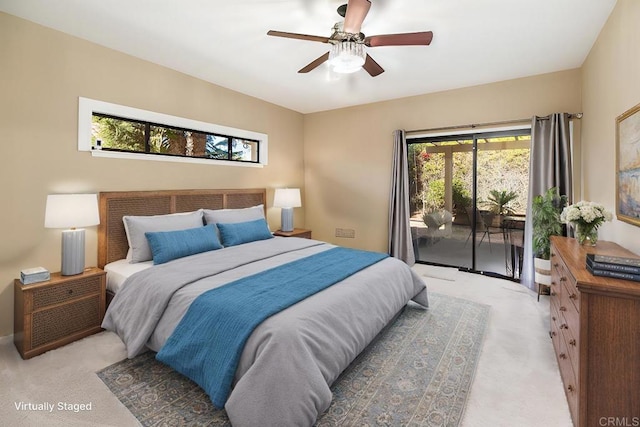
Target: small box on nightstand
(34, 275)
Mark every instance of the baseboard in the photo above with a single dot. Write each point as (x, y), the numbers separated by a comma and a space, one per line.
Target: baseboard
(6, 339)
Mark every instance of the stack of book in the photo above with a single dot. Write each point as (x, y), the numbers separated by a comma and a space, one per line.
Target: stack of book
(614, 266)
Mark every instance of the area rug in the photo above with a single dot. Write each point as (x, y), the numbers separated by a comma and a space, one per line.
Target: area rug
(417, 373)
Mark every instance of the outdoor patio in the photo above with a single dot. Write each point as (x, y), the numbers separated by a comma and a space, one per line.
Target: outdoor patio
(496, 252)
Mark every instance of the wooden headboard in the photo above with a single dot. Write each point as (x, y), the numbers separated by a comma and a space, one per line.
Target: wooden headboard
(112, 239)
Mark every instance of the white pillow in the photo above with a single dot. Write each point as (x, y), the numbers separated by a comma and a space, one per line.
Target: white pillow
(136, 226)
(232, 216)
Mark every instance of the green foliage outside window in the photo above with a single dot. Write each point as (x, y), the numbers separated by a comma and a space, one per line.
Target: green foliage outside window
(497, 169)
(131, 136)
(461, 196)
(118, 134)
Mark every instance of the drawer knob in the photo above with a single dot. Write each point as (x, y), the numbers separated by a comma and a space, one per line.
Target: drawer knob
(564, 326)
(553, 333)
(572, 342)
(562, 356)
(570, 388)
(555, 264)
(573, 296)
(563, 279)
(563, 308)
(553, 318)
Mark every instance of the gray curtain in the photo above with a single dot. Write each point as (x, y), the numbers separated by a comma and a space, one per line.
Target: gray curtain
(550, 166)
(400, 243)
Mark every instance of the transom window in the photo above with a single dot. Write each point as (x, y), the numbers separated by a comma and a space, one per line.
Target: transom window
(111, 130)
(126, 135)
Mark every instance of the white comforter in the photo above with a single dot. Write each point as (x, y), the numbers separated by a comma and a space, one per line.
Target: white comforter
(292, 358)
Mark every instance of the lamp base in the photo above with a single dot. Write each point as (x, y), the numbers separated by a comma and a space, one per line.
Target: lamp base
(286, 219)
(72, 252)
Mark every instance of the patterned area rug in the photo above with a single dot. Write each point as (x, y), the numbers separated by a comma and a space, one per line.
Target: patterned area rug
(417, 373)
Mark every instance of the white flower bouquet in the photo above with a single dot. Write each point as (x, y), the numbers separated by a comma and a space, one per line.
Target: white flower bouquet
(586, 217)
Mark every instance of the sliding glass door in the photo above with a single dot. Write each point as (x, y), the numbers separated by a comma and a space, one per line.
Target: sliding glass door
(468, 195)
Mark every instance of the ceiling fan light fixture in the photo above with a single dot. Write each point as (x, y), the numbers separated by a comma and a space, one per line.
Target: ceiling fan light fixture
(347, 57)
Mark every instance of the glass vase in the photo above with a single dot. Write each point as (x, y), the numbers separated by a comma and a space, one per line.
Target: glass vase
(586, 234)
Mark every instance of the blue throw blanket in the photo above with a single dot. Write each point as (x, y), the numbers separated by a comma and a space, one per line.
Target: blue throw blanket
(207, 343)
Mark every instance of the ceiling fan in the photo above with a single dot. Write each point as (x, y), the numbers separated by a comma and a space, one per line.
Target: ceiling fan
(347, 53)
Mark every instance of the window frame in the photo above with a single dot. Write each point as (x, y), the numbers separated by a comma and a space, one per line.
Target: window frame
(87, 107)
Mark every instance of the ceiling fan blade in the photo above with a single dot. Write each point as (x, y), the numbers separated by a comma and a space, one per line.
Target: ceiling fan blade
(298, 36)
(314, 64)
(372, 67)
(356, 12)
(405, 39)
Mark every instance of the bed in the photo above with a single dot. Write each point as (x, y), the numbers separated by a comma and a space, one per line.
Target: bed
(285, 366)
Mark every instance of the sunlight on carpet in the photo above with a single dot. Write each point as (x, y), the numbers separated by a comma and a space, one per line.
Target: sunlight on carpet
(418, 372)
(442, 273)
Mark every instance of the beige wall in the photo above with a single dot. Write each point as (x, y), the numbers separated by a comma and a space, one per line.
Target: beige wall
(348, 151)
(611, 85)
(42, 74)
(344, 165)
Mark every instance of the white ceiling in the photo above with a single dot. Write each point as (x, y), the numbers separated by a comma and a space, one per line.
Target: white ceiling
(226, 42)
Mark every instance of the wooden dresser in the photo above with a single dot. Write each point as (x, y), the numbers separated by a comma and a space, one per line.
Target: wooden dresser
(595, 328)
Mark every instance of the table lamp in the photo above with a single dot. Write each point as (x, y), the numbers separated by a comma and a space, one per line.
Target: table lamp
(71, 211)
(287, 199)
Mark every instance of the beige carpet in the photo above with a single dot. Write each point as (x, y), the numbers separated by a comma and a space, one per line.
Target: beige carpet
(395, 381)
(516, 384)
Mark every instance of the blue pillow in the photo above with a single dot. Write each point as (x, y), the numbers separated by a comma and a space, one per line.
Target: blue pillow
(244, 232)
(169, 245)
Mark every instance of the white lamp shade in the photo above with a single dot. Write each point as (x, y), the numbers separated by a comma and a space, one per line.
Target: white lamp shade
(71, 211)
(287, 198)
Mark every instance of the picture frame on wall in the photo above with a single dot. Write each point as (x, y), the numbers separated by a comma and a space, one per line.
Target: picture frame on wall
(628, 166)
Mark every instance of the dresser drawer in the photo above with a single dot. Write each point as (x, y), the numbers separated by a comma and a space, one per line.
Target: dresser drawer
(571, 387)
(555, 332)
(571, 345)
(569, 311)
(556, 287)
(570, 289)
(566, 282)
(555, 290)
(573, 295)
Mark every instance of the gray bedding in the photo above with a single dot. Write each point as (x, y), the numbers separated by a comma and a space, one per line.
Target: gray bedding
(292, 358)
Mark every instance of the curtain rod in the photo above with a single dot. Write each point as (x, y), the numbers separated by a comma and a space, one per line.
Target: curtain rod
(475, 125)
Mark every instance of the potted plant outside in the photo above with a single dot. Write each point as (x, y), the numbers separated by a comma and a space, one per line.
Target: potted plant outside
(498, 202)
(545, 211)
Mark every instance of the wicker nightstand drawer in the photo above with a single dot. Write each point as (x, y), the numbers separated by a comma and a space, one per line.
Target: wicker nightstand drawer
(66, 291)
(54, 313)
(59, 322)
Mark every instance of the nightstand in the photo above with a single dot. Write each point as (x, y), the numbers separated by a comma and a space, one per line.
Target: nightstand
(50, 314)
(297, 232)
